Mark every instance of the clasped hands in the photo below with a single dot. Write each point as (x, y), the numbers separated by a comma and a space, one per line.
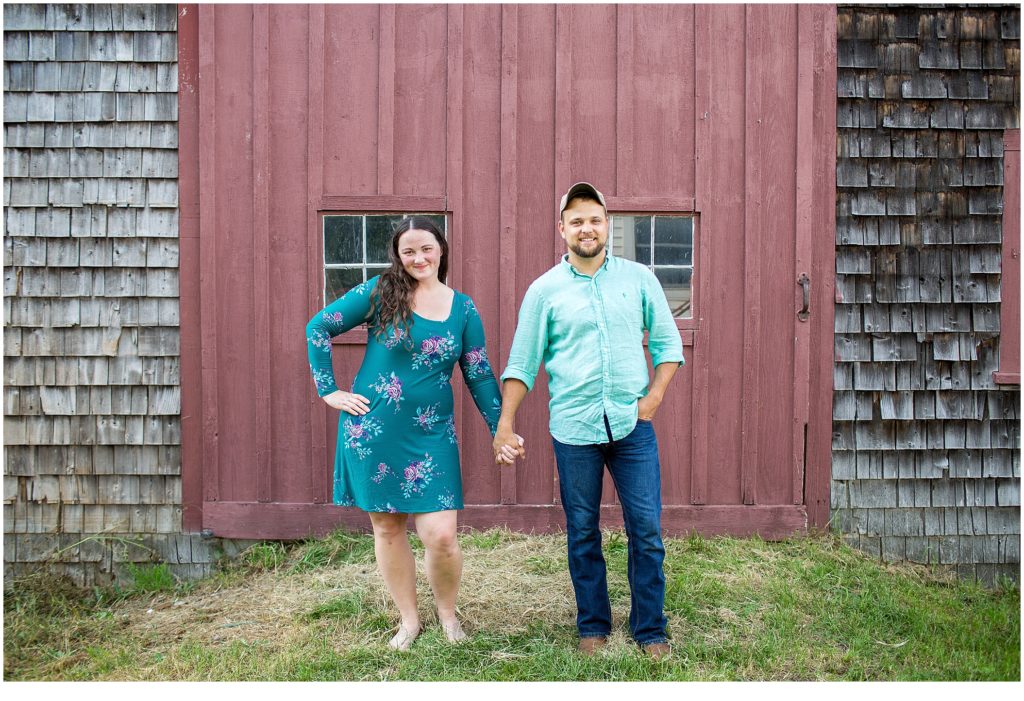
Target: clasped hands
(507, 446)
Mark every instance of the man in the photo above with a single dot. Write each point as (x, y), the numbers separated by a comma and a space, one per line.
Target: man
(585, 319)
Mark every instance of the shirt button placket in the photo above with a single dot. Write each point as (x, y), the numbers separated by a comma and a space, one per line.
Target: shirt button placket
(605, 345)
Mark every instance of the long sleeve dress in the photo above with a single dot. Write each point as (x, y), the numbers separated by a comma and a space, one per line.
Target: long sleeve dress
(403, 455)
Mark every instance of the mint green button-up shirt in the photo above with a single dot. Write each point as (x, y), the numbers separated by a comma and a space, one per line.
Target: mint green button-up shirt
(589, 332)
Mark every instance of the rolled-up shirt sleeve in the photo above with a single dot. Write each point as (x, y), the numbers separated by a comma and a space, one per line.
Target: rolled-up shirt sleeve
(663, 340)
(530, 340)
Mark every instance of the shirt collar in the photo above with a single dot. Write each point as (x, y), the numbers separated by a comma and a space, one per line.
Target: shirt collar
(576, 273)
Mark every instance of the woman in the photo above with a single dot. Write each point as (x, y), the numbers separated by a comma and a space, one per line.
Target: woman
(397, 450)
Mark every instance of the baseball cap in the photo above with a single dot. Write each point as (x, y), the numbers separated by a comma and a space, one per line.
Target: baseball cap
(581, 189)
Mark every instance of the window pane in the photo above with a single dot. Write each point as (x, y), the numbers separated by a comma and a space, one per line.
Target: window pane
(642, 235)
(378, 236)
(622, 236)
(676, 283)
(344, 246)
(673, 241)
(631, 237)
(343, 239)
(341, 280)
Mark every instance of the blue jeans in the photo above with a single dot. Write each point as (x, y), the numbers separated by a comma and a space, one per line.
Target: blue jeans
(633, 464)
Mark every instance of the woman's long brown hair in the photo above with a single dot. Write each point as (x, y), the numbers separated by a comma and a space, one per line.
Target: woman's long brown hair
(392, 297)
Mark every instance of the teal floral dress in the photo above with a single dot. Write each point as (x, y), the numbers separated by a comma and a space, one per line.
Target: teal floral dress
(403, 455)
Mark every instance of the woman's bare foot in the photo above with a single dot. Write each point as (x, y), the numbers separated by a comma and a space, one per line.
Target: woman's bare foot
(453, 631)
(404, 637)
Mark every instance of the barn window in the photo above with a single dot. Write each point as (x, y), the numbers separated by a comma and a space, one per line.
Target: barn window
(664, 243)
(356, 248)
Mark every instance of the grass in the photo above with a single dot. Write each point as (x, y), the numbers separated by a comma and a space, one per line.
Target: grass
(149, 579)
(807, 608)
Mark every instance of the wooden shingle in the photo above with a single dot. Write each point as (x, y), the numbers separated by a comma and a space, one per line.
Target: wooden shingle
(71, 46)
(164, 135)
(94, 107)
(15, 44)
(939, 54)
(41, 46)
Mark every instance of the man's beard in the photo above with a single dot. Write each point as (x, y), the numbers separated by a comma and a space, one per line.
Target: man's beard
(582, 253)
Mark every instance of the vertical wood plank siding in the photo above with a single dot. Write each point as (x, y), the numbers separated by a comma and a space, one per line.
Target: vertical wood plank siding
(189, 186)
(926, 463)
(208, 274)
(509, 209)
(1009, 312)
(261, 281)
(490, 112)
(316, 168)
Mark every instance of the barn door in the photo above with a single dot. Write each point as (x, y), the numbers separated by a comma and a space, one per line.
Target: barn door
(765, 188)
(711, 126)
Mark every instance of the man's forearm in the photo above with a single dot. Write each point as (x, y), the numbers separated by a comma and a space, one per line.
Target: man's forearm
(512, 393)
(662, 376)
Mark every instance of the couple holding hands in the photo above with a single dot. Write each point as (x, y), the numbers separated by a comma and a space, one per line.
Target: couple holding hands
(397, 449)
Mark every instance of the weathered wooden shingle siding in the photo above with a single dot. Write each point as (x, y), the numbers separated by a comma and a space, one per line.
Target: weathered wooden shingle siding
(92, 426)
(926, 463)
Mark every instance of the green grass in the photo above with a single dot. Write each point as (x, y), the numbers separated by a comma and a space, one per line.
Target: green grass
(807, 608)
(339, 547)
(265, 556)
(148, 579)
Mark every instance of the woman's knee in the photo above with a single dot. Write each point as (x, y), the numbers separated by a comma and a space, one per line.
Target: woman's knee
(388, 526)
(441, 541)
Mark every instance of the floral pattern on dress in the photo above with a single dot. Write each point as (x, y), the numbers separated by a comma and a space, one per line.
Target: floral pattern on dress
(335, 320)
(475, 363)
(382, 471)
(426, 417)
(492, 416)
(433, 351)
(407, 374)
(395, 338)
(324, 380)
(358, 429)
(320, 339)
(390, 387)
(417, 475)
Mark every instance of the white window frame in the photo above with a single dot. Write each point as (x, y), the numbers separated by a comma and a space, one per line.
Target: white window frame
(689, 316)
(364, 266)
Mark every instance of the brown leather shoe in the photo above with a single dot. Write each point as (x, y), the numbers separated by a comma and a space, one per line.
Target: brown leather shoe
(590, 646)
(656, 651)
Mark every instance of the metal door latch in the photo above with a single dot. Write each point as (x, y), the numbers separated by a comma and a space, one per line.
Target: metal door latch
(805, 283)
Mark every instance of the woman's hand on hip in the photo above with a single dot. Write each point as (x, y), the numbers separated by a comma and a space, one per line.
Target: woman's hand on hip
(355, 404)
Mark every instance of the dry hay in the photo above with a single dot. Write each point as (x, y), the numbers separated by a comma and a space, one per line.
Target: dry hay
(506, 586)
